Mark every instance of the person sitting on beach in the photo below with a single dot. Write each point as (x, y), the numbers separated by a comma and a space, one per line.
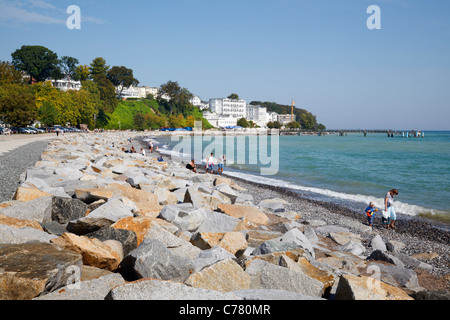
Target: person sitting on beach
(210, 163)
(142, 152)
(370, 210)
(389, 206)
(191, 166)
(220, 163)
(160, 159)
(133, 150)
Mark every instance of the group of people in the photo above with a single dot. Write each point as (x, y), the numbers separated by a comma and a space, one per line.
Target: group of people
(210, 162)
(389, 215)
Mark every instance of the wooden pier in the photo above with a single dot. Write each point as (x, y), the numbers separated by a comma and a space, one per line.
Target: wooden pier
(343, 132)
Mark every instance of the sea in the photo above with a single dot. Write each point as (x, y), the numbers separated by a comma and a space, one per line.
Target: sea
(350, 170)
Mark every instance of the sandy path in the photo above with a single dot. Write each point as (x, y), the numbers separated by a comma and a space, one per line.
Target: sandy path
(9, 143)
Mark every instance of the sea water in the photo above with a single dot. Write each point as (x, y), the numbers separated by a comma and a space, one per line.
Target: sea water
(353, 170)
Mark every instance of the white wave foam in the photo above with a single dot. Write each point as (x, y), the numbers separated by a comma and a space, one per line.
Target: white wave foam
(400, 207)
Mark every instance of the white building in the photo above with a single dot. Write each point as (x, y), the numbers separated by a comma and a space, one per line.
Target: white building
(127, 92)
(144, 91)
(220, 121)
(272, 117)
(228, 107)
(66, 84)
(196, 101)
(257, 114)
(286, 118)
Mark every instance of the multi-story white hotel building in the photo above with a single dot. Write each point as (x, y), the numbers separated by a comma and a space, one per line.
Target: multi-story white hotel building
(286, 118)
(219, 121)
(257, 114)
(66, 84)
(228, 107)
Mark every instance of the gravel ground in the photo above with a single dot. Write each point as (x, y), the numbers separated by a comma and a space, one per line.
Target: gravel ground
(419, 235)
(14, 163)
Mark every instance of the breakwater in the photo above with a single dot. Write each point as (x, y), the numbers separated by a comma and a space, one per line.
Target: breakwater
(122, 225)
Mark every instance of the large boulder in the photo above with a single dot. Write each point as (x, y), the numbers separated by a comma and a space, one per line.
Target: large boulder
(33, 269)
(67, 209)
(153, 289)
(292, 239)
(39, 209)
(94, 252)
(252, 214)
(19, 223)
(225, 275)
(265, 275)
(13, 235)
(351, 287)
(153, 260)
(95, 289)
(127, 238)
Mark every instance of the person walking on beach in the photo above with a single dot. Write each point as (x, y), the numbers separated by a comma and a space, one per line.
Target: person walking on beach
(210, 163)
(389, 206)
(220, 162)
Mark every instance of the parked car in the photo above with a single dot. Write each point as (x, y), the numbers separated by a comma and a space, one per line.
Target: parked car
(26, 130)
(5, 131)
(38, 130)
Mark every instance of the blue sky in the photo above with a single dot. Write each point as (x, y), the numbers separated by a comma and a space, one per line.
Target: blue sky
(318, 52)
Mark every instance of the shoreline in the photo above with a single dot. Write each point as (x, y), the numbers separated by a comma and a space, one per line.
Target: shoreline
(433, 223)
(137, 228)
(419, 233)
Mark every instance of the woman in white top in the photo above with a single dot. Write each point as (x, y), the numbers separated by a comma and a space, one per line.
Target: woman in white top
(210, 163)
(389, 206)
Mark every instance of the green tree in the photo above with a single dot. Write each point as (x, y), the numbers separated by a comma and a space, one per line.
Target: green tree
(121, 76)
(68, 67)
(48, 114)
(233, 96)
(102, 119)
(179, 98)
(17, 105)
(38, 62)
(177, 121)
(242, 122)
(139, 121)
(82, 72)
(9, 74)
(45, 92)
(107, 92)
(98, 67)
(308, 121)
(274, 125)
(154, 121)
(293, 125)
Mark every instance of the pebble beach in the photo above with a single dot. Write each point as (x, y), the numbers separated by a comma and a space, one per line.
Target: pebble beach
(137, 228)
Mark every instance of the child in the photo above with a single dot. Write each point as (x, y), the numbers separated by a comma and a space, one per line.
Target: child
(370, 210)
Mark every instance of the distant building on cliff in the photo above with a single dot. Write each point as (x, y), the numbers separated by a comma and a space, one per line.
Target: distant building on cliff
(228, 107)
(257, 114)
(66, 84)
(286, 118)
